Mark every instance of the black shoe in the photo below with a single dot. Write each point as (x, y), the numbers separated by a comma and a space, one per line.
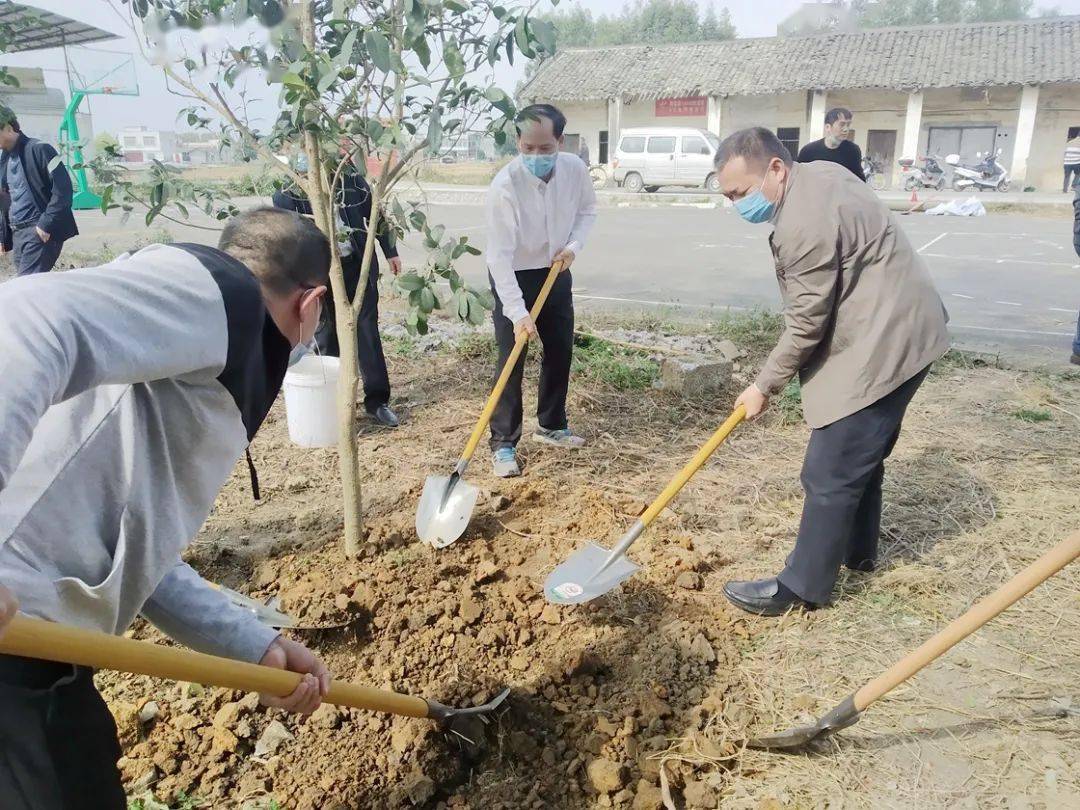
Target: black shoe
(765, 597)
(866, 566)
(384, 416)
(1075, 359)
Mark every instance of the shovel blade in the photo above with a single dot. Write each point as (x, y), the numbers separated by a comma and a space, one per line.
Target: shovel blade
(442, 517)
(792, 739)
(573, 582)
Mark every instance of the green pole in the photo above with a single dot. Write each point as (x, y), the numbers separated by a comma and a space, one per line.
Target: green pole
(84, 198)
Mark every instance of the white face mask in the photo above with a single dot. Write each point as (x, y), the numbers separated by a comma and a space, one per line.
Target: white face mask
(303, 349)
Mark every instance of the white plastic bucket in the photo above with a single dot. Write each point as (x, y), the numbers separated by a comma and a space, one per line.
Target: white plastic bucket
(311, 401)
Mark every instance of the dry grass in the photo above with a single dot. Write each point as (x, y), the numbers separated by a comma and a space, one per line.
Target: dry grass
(973, 494)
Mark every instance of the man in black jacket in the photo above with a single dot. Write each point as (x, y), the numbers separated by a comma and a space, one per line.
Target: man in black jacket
(835, 147)
(35, 217)
(354, 211)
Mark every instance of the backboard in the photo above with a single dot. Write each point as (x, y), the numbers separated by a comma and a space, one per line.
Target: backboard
(92, 71)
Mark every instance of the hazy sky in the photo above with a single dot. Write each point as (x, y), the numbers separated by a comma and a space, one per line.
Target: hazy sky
(157, 108)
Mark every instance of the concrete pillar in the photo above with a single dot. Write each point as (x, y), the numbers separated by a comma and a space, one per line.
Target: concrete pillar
(614, 125)
(912, 126)
(713, 124)
(815, 126)
(1025, 131)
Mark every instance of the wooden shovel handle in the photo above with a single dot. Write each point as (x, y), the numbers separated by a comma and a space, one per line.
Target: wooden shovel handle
(508, 366)
(960, 628)
(35, 638)
(693, 465)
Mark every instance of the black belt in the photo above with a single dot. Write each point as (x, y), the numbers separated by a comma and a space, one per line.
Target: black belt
(22, 226)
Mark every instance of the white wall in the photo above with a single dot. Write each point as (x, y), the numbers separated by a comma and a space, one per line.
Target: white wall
(1059, 109)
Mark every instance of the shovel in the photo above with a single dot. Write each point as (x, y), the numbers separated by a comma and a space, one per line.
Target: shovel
(447, 502)
(849, 711)
(35, 638)
(593, 570)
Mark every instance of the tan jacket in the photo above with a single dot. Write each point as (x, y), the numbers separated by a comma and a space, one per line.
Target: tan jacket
(860, 311)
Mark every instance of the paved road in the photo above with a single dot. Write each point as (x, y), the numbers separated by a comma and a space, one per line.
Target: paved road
(1011, 283)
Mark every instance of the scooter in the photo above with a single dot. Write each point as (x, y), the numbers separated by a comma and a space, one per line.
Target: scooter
(989, 174)
(929, 175)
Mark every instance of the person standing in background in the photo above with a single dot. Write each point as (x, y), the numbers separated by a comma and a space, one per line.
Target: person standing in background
(540, 209)
(1072, 161)
(354, 212)
(583, 152)
(36, 219)
(835, 146)
(1076, 244)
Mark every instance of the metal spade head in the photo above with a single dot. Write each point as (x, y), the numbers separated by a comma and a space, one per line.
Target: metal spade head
(576, 580)
(446, 504)
(839, 718)
(444, 716)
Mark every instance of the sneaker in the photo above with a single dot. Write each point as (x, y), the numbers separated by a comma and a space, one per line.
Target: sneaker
(384, 416)
(504, 463)
(564, 438)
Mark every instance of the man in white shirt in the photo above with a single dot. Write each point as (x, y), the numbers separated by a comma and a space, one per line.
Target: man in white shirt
(540, 209)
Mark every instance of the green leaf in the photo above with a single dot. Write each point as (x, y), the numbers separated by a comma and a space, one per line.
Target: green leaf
(379, 48)
(410, 282)
(510, 47)
(190, 65)
(455, 63)
(437, 233)
(453, 5)
(435, 130)
(476, 314)
(344, 56)
(106, 198)
(472, 251)
(427, 300)
(521, 36)
(485, 298)
(463, 305)
(493, 50)
(423, 53)
(291, 79)
(544, 31)
(494, 95)
(327, 78)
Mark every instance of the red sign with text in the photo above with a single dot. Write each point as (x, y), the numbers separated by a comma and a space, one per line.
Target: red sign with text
(690, 105)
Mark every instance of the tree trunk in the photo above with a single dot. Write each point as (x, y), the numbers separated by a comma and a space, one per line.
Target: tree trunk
(322, 198)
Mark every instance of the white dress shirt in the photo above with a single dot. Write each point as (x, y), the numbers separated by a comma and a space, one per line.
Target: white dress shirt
(529, 221)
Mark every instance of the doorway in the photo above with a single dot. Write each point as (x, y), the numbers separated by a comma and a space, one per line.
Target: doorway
(881, 149)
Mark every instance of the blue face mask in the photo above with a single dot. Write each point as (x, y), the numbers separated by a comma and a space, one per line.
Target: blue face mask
(539, 165)
(756, 207)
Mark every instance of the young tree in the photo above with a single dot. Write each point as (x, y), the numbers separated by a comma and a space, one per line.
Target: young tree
(385, 81)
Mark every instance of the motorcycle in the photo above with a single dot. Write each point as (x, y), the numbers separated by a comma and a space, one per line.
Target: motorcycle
(929, 175)
(988, 174)
(875, 178)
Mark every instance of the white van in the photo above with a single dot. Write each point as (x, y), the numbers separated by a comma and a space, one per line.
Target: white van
(651, 157)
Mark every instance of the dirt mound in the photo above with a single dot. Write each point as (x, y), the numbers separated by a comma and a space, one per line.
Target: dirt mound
(597, 691)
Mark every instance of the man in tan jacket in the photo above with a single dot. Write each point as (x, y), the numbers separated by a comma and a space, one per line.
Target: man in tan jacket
(863, 323)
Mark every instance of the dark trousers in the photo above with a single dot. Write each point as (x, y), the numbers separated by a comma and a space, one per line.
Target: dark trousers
(31, 254)
(58, 746)
(555, 326)
(1072, 175)
(842, 476)
(369, 343)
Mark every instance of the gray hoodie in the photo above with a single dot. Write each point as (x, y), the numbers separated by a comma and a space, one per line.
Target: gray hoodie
(127, 394)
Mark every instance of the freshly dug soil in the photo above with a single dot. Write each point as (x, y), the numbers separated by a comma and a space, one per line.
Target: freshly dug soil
(598, 691)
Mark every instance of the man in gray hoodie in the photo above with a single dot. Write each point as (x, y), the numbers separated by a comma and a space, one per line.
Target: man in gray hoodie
(127, 394)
